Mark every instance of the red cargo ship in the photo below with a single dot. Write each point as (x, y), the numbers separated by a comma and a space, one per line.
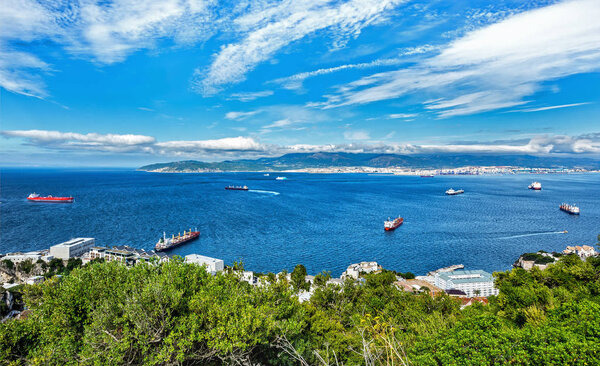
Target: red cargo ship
(393, 224)
(167, 243)
(37, 198)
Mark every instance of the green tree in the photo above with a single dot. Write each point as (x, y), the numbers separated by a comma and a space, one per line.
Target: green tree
(298, 277)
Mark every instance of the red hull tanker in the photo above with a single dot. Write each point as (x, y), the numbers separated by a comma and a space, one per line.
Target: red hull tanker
(390, 225)
(34, 197)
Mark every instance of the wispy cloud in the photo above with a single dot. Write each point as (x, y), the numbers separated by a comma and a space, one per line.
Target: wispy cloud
(146, 109)
(357, 135)
(493, 67)
(295, 82)
(248, 96)
(240, 115)
(551, 107)
(402, 115)
(268, 30)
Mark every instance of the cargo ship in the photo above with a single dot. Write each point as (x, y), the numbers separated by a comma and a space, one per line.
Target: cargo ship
(536, 186)
(390, 225)
(236, 188)
(571, 209)
(452, 192)
(174, 241)
(427, 176)
(34, 197)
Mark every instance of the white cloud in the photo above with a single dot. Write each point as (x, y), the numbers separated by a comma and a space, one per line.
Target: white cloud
(357, 135)
(295, 81)
(272, 28)
(239, 115)
(248, 96)
(129, 143)
(248, 146)
(402, 115)
(278, 124)
(551, 107)
(496, 66)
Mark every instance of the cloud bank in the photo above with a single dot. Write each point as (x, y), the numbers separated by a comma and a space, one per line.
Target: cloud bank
(249, 146)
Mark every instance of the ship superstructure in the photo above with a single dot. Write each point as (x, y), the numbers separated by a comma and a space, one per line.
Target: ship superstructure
(536, 186)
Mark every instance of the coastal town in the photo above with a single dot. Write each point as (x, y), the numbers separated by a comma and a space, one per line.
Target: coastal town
(467, 286)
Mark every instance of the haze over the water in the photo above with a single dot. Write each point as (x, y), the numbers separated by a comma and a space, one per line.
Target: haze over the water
(127, 83)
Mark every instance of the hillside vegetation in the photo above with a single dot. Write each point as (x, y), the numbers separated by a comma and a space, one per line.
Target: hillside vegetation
(177, 314)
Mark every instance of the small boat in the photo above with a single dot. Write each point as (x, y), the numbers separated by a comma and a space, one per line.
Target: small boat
(536, 186)
(34, 197)
(165, 243)
(281, 178)
(570, 209)
(452, 192)
(236, 188)
(266, 174)
(390, 225)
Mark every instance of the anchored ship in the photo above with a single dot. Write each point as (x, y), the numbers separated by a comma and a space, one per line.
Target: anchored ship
(427, 176)
(571, 209)
(236, 188)
(390, 225)
(167, 243)
(535, 186)
(452, 192)
(34, 197)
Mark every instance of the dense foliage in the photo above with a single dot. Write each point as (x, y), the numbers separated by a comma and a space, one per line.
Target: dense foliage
(176, 313)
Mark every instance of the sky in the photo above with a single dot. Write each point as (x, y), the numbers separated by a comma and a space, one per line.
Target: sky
(130, 82)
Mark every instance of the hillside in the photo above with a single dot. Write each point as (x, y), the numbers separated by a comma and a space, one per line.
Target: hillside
(324, 160)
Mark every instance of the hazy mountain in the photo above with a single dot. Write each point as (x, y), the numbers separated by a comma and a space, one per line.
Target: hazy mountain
(323, 160)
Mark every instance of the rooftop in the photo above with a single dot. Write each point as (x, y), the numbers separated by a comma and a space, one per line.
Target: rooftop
(73, 242)
(198, 257)
(466, 276)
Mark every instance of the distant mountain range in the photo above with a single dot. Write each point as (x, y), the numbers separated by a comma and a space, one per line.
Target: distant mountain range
(325, 160)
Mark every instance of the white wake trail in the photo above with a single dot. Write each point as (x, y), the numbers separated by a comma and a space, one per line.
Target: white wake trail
(264, 192)
(534, 234)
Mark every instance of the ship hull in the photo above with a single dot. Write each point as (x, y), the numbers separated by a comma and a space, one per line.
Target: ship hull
(52, 199)
(193, 237)
(235, 189)
(569, 212)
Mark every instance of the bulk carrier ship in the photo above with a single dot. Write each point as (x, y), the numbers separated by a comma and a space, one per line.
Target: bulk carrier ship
(571, 209)
(174, 241)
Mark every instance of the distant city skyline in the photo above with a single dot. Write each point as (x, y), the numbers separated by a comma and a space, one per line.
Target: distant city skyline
(131, 82)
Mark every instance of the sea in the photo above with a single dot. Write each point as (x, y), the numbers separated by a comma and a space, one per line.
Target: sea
(323, 221)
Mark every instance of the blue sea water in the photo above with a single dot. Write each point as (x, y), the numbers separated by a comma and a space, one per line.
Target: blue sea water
(324, 221)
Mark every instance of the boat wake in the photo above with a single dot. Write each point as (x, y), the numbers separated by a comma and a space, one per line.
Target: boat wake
(534, 234)
(264, 192)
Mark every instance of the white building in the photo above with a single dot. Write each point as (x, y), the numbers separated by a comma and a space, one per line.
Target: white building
(22, 257)
(473, 283)
(354, 270)
(73, 248)
(213, 265)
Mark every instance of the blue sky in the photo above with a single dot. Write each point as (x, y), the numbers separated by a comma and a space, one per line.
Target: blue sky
(123, 83)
